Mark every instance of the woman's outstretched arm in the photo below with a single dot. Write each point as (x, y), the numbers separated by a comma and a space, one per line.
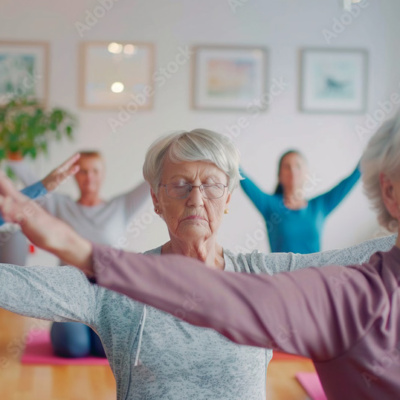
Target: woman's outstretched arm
(135, 198)
(51, 293)
(331, 199)
(260, 199)
(274, 263)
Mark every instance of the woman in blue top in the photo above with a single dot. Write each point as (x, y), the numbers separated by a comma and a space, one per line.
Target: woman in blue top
(295, 224)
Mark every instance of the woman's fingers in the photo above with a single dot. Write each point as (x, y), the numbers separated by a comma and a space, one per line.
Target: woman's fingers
(66, 165)
(73, 170)
(7, 188)
(61, 177)
(11, 210)
(61, 173)
(4, 208)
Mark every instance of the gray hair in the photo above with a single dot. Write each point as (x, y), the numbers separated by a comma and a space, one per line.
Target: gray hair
(382, 155)
(196, 145)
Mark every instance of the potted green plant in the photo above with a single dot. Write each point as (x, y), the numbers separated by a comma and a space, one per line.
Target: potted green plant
(26, 129)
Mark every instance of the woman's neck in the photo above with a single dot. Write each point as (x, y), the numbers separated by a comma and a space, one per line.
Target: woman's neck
(90, 200)
(208, 251)
(294, 198)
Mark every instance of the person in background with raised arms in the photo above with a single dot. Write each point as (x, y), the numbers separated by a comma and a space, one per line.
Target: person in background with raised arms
(95, 219)
(192, 176)
(295, 224)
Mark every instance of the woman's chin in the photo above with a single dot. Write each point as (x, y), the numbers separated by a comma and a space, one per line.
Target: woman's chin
(194, 230)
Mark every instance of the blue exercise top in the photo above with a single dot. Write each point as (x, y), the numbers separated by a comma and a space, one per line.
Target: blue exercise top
(297, 231)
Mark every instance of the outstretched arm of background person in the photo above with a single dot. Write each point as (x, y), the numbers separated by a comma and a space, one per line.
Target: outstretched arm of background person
(260, 199)
(51, 181)
(135, 198)
(333, 197)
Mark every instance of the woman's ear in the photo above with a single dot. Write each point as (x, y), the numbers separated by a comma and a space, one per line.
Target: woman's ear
(155, 200)
(389, 196)
(228, 199)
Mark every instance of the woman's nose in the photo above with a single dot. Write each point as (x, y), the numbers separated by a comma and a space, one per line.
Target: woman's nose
(195, 197)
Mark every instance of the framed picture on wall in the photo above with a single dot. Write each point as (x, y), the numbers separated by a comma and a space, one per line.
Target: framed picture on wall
(24, 70)
(228, 78)
(333, 80)
(116, 74)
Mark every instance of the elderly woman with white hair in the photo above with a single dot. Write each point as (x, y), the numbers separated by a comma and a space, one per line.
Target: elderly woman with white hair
(154, 355)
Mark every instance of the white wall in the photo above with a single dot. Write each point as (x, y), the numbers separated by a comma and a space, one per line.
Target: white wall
(330, 142)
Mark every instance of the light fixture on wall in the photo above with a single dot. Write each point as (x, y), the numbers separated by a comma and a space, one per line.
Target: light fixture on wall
(117, 87)
(115, 48)
(347, 4)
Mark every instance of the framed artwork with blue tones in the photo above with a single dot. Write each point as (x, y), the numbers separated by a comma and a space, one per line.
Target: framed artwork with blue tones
(24, 70)
(333, 80)
(229, 78)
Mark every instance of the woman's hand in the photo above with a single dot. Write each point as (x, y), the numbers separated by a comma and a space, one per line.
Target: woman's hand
(61, 173)
(42, 229)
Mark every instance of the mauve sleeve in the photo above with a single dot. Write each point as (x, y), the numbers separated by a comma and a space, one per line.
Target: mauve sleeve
(318, 313)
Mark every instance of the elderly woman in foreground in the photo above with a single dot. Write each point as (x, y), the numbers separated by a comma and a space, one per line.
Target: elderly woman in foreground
(154, 355)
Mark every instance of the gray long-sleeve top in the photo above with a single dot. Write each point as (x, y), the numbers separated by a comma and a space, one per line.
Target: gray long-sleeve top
(345, 318)
(104, 223)
(176, 360)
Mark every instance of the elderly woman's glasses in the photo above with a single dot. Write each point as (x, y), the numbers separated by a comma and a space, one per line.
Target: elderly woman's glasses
(208, 191)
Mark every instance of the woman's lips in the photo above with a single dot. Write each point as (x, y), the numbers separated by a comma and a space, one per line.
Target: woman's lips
(194, 217)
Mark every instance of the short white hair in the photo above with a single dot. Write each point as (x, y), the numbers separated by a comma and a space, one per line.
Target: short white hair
(196, 145)
(382, 155)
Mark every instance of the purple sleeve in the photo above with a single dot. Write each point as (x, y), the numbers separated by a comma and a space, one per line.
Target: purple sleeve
(314, 312)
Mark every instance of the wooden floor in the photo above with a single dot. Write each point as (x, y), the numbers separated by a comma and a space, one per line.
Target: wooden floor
(19, 382)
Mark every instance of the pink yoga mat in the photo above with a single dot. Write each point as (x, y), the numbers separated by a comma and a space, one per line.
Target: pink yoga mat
(38, 350)
(312, 385)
